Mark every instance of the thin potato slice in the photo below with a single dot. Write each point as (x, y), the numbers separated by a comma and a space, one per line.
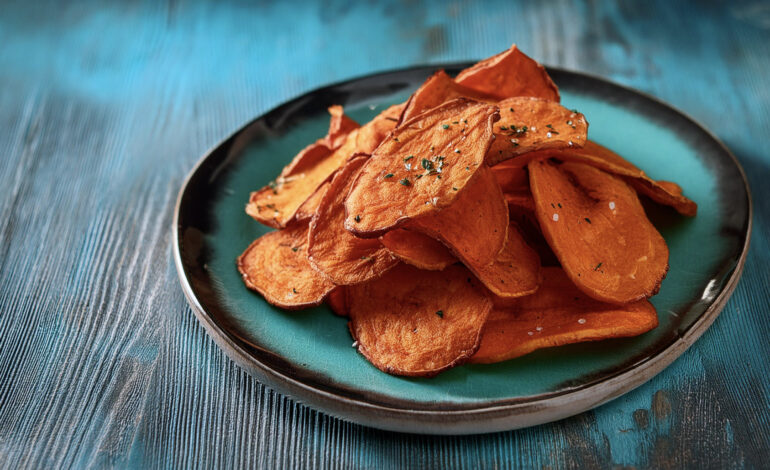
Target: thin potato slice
(474, 227)
(308, 208)
(511, 177)
(418, 323)
(344, 258)
(516, 270)
(437, 89)
(532, 124)
(662, 192)
(507, 74)
(418, 249)
(558, 314)
(421, 167)
(277, 203)
(337, 301)
(597, 228)
(276, 266)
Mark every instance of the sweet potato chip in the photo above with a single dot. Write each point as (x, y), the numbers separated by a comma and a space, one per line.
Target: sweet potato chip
(474, 227)
(308, 208)
(532, 124)
(437, 89)
(418, 249)
(339, 127)
(511, 177)
(337, 301)
(421, 167)
(662, 192)
(418, 323)
(555, 315)
(597, 228)
(341, 256)
(515, 272)
(507, 74)
(277, 203)
(276, 266)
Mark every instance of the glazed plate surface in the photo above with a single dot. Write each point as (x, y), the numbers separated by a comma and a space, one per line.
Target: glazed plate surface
(308, 354)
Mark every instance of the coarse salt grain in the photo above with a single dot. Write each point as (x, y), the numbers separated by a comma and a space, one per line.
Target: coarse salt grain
(556, 217)
(582, 321)
(530, 333)
(355, 344)
(612, 205)
(548, 135)
(539, 328)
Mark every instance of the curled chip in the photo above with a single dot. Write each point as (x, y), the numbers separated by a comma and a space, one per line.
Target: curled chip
(532, 124)
(308, 208)
(366, 138)
(597, 228)
(507, 74)
(516, 270)
(277, 203)
(437, 89)
(662, 192)
(558, 314)
(421, 167)
(337, 301)
(344, 258)
(474, 227)
(418, 323)
(276, 266)
(418, 249)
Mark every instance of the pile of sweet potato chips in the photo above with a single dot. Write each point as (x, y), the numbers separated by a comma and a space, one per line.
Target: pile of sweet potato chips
(474, 223)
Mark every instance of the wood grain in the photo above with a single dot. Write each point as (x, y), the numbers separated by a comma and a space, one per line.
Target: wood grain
(104, 109)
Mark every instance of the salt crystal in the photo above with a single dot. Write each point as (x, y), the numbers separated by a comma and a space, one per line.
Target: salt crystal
(612, 205)
(582, 321)
(556, 217)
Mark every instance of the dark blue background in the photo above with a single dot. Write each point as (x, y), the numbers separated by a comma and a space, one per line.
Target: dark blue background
(104, 108)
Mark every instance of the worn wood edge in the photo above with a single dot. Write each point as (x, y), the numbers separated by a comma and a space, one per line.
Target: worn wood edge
(487, 418)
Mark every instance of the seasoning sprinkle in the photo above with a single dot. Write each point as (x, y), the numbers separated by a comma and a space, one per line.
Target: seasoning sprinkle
(405, 182)
(406, 159)
(445, 126)
(587, 220)
(358, 217)
(389, 175)
(598, 266)
(294, 248)
(440, 313)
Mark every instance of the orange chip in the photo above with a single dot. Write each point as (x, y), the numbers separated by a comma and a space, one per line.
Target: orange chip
(474, 227)
(437, 89)
(418, 250)
(339, 127)
(371, 134)
(277, 203)
(516, 270)
(555, 315)
(421, 167)
(276, 266)
(337, 301)
(310, 206)
(344, 258)
(507, 74)
(532, 124)
(511, 176)
(597, 228)
(662, 192)
(418, 323)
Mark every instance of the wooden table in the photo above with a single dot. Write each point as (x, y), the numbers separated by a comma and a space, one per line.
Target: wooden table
(104, 110)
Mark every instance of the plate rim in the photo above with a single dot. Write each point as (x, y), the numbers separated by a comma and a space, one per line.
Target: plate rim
(481, 417)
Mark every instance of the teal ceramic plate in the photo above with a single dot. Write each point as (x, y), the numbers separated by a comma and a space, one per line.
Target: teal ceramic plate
(308, 354)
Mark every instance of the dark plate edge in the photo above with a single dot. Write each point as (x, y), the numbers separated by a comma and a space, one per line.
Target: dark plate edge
(484, 418)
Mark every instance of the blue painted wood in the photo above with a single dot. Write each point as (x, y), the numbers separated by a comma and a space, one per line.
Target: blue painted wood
(105, 108)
